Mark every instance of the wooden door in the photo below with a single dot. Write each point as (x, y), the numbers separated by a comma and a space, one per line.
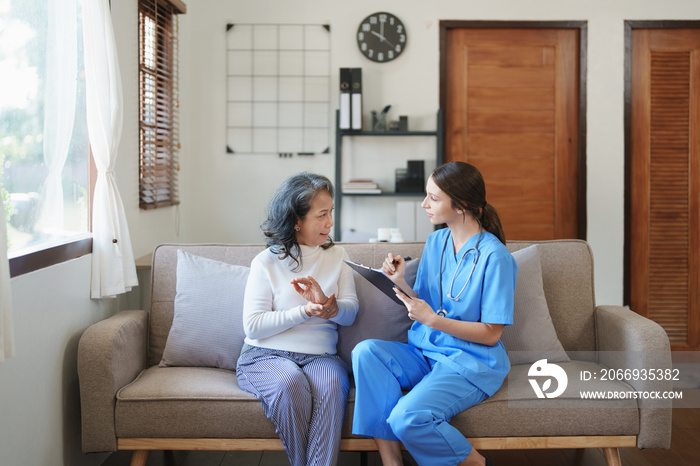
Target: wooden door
(664, 195)
(511, 107)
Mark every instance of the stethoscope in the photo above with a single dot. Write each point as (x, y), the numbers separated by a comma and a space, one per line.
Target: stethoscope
(441, 312)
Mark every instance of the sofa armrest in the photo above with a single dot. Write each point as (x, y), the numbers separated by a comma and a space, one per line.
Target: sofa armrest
(111, 353)
(627, 340)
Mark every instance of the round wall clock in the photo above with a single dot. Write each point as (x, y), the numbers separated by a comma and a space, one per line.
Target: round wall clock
(381, 37)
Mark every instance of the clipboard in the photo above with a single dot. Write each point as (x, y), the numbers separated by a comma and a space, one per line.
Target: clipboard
(379, 279)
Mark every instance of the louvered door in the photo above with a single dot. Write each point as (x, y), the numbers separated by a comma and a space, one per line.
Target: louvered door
(665, 181)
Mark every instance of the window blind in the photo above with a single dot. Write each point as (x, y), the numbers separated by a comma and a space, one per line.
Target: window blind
(159, 142)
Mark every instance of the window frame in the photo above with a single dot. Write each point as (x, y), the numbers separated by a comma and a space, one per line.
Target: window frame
(43, 258)
(81, 245)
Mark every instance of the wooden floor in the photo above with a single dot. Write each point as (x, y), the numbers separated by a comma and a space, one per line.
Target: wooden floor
(684, 451)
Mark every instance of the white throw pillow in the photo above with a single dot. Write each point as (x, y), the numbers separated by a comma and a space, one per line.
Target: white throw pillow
(532, 336)
(207, 327)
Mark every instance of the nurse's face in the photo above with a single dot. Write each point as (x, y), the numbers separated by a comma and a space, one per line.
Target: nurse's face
(316, 226)
(438, 205)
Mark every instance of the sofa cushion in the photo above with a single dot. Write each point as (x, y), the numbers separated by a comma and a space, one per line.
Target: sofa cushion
(567, 279)
(207, 329)
(515, 411)
(379, 317)
(532, 336)
(198, 402)
(189, 402)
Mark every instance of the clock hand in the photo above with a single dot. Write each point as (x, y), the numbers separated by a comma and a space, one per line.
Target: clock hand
(381, 37)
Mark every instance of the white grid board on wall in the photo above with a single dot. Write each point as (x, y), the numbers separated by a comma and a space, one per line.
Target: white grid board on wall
(278, 89)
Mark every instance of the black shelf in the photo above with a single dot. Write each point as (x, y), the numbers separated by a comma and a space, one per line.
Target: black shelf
(348, 132)
(340, 133)
(393, 194)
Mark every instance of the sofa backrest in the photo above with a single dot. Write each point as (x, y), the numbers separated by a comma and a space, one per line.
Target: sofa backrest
(567, 273)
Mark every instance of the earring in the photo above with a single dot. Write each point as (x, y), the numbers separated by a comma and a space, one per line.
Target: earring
(297, 229)
(460, 212)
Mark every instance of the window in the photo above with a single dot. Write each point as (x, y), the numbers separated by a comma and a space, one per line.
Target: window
(44, 150)
(158, 102)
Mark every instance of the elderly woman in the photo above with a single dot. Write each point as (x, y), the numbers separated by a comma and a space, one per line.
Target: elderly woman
(298, 292)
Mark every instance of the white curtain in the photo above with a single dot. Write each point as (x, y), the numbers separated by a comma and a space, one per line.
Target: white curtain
(7, 341)
(113, 268)
(59, 107)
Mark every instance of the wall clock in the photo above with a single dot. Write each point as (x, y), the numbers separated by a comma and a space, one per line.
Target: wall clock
(381, 37)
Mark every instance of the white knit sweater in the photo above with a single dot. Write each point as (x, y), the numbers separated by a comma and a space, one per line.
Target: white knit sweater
(273, 312)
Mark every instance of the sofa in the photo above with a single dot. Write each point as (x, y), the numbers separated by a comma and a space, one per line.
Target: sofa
(145, 386)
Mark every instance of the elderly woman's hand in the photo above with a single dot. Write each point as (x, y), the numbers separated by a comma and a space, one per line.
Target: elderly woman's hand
(309, 289)
(326, 311)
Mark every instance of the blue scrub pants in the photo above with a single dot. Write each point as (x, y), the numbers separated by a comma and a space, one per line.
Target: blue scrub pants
(303, 395)
(419, 419)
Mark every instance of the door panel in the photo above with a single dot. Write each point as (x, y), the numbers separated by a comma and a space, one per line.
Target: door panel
(664, 230)
(511, 109)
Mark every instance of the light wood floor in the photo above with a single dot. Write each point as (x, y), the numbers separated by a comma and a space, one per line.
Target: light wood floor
(684, 451)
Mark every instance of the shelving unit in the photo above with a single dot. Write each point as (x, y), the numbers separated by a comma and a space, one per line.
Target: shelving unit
(340, 133)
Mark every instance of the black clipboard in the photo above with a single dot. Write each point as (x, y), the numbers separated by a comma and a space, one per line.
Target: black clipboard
(379, 279)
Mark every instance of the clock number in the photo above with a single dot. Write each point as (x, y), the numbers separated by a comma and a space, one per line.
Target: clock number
(399, 29)
(398, 48)
(382, 18)
(372, 20)
(380, 56)
(370, 53)
(364, 46)
(402, 38)
(366, 27)
(360, 36)
(390, 54)
(392, 20)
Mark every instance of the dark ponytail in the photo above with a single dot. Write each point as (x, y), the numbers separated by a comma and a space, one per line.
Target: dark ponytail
(492, 222)
(464, 184)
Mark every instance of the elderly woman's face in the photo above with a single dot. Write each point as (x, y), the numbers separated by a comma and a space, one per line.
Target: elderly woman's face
(315, 228)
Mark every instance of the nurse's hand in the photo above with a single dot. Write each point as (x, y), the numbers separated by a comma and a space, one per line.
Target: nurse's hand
(418, 309)
(394, 267)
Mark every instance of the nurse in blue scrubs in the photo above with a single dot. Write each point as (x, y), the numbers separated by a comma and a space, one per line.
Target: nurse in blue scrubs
(462, 299)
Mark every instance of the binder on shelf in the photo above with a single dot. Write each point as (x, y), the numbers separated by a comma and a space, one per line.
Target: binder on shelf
(356, 100)
(345, 105)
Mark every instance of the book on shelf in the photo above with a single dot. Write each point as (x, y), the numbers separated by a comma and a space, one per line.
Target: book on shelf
(361, 191)
(361, 186)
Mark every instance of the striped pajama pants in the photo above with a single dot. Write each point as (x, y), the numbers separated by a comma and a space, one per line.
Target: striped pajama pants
(303, 395)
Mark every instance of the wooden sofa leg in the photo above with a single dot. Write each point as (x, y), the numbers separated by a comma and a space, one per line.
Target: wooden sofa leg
(139, 457)
(612, 456)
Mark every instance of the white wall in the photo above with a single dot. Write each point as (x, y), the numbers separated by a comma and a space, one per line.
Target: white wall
(39, 401)
(230, 191)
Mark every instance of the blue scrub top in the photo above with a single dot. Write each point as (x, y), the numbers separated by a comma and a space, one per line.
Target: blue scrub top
(487, 298)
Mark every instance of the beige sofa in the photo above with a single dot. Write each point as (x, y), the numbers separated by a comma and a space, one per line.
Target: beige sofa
(130, 402)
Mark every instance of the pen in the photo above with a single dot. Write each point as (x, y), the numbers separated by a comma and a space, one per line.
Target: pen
(405, 259)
